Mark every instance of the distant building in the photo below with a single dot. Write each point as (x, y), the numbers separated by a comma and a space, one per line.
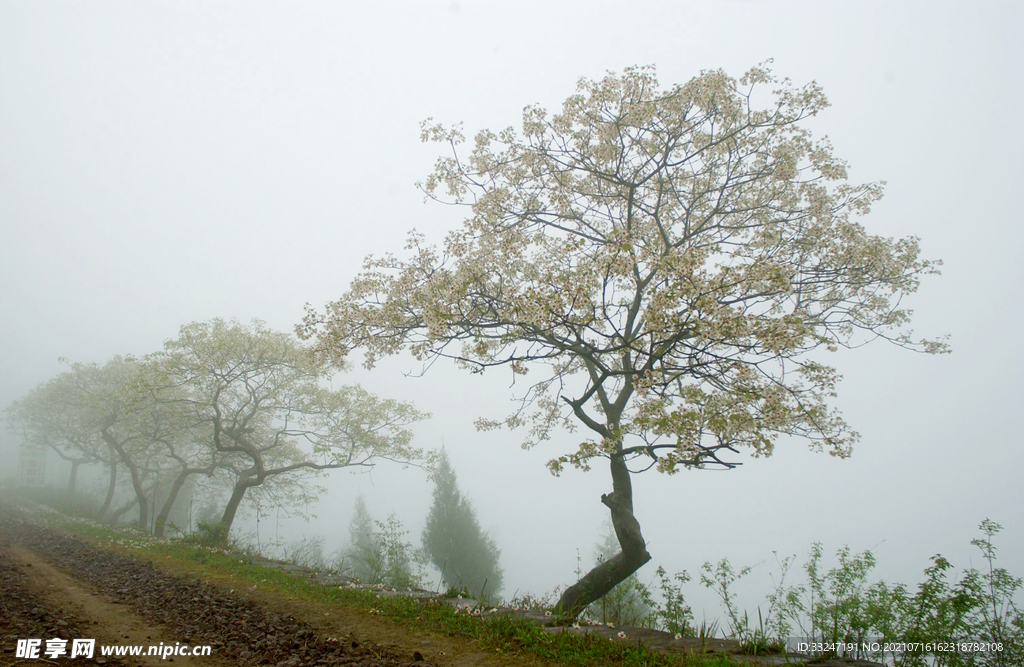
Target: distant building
(32, 465)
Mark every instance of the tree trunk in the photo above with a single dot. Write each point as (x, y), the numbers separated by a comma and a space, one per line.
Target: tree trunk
(74, 476)
(110, 490)
(172, 495)
(237, 494)
(608, 574)
(140, 493)
(118, 513)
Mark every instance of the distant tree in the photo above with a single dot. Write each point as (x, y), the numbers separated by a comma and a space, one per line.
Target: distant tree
(453, 540)
(669, 263)
(87, 409)
(362, 557)
(42, 419)
(182, 448)
(261, 404)
(377, 551)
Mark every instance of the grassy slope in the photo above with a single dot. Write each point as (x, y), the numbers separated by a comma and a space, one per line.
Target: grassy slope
(500, 634)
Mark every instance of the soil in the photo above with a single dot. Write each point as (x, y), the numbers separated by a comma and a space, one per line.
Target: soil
(56, 586)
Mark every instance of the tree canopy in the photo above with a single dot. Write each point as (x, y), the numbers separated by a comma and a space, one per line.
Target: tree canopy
(663, 260)
(224, 401)
(271, 422)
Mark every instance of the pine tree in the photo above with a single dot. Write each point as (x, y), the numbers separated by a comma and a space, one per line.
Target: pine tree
(453, 540)
(363, 554)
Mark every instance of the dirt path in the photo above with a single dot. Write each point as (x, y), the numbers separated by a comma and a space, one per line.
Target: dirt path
(53, 585)
(107, 622)
(24, 616)
(56, 586)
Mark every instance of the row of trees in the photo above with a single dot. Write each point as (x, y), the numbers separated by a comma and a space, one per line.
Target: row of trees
(239, 407)
(665, 262)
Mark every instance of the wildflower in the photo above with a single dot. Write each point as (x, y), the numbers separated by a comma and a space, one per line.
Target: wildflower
(547, 613)
(610, 626)
(678, 636)
(494, 610)
(622, 635)
(575, 626)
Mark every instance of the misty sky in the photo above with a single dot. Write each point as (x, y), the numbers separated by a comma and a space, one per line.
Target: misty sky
(167, 162)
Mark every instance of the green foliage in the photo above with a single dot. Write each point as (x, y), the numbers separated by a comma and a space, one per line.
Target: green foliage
(755, 641)
(378, 552)
(783, 605)
(454, 542)
(360, 559)
(398, 556)
(208, 534)
(887, 609)
(720, 579)
(673, 615)
(998, 616)
(979, 606)
(839, 616)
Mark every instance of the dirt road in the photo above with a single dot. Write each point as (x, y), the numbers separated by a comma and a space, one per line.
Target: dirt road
(53, 586)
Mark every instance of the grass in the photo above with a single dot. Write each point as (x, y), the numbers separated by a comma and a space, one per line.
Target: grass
(498, 633)
(838, 604)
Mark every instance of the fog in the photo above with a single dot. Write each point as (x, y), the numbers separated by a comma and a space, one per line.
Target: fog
(164, 163)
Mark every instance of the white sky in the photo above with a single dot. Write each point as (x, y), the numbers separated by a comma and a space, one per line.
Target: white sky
(167, 162)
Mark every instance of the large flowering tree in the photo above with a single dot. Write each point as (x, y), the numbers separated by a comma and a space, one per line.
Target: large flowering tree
(663, 260)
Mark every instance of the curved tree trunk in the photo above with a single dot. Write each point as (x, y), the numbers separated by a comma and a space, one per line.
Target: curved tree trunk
(237, 494)
(110, 490)
(161, 520)
(607, 574)
(140, 492)
(116, 515)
